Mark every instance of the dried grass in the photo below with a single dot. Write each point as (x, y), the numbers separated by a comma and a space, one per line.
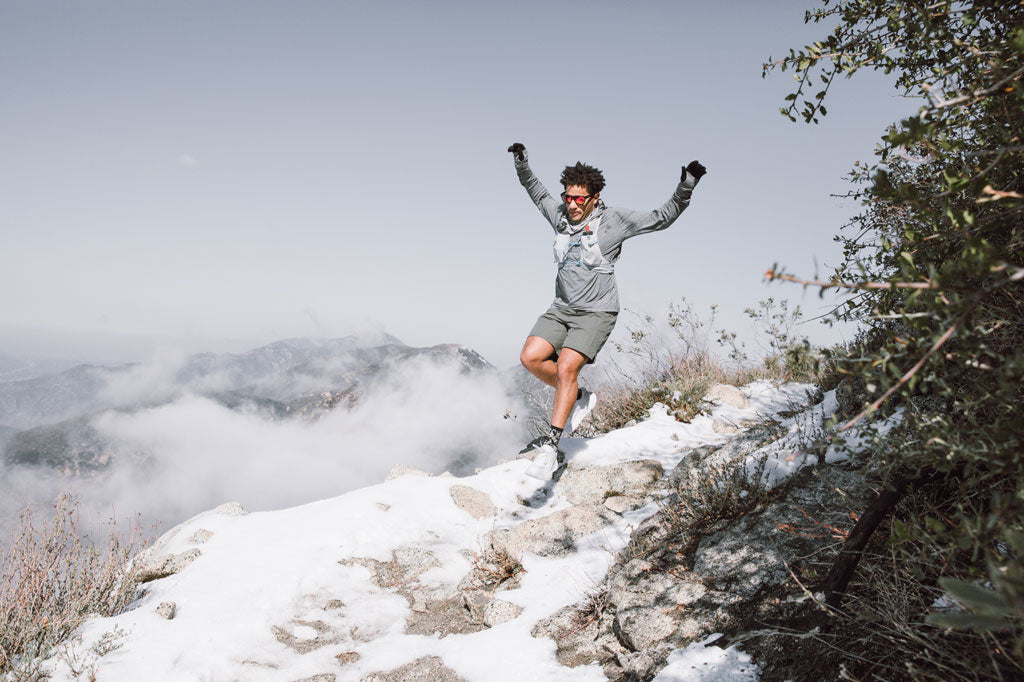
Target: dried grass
(680, 383)
(53, 576)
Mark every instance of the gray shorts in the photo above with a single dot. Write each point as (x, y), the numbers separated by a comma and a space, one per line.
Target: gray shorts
(584, 331)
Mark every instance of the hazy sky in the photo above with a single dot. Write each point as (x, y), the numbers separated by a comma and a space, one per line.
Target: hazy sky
(259, 170)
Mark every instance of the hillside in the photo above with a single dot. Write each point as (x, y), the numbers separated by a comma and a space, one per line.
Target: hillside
(596, 575)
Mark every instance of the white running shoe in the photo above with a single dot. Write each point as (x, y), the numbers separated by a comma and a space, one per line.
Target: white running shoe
(580, 410)
(544, 462)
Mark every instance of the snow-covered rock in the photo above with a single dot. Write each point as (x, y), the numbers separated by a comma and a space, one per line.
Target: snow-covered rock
(582, 485)
(727, 395)
(555, 534)
(470, 500)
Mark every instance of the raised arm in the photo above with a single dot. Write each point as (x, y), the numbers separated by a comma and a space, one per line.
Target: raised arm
(641, 222)
(547, 204)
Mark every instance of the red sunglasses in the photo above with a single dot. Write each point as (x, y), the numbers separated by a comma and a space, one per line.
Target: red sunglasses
(580, 199)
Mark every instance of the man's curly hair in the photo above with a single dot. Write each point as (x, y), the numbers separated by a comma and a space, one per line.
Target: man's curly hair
(582, 174)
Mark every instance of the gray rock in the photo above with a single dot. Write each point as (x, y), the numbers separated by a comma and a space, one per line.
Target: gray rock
(476, 603)
(441, 612)
(200, 536)
(407, 564)
(725, 428)
(322, 677)
(500, 611)
(303, 645)
(553, 535)
(166, 609)
(230, 509)
(754, 554)
(581, 637)
(649, 604)
(637, 664)
(414, 561)
(591, 485)
(156, 567)
(694, 463)
(476, 503)
(620, 504)
(425, 669)
(403, 470)
(727, 395)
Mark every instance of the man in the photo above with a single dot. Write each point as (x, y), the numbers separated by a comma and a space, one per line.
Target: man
(588, 241)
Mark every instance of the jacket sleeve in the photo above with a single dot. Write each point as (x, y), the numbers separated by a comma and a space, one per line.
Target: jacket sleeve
(547, 204)
(642, 222)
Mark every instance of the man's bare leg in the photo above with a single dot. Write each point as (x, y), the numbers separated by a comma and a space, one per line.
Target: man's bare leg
(538, 357)
(568, 367)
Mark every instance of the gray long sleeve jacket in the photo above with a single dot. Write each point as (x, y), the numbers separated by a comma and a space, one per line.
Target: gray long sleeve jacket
(578, 287)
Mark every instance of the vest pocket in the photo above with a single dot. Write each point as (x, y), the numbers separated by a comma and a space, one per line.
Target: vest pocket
(591, 250)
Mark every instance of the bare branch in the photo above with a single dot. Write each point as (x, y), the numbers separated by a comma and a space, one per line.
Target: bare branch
(771, 275)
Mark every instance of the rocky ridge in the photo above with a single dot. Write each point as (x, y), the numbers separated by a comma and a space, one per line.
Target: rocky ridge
(697, 538)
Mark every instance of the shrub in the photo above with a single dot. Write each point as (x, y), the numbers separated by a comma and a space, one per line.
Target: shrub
(676, 372)
(934, 263)
(52, 578)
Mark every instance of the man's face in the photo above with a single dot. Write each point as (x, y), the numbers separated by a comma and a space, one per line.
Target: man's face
(577, 210)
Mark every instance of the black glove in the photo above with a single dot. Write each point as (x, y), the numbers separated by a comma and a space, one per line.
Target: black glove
(695, 169)
(519, 149)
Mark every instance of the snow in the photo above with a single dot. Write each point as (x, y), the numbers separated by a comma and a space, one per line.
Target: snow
(704, 662)
(279, 569)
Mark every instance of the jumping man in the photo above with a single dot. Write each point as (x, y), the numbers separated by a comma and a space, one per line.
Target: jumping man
(588, 241)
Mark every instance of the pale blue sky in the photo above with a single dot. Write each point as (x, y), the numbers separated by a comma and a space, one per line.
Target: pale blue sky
(260, 170)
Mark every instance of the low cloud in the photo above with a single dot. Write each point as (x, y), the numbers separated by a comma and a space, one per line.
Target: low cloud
(191, 454)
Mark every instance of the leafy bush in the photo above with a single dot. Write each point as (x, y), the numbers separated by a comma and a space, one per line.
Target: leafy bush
(934, 264)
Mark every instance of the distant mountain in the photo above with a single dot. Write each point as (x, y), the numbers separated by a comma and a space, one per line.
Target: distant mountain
(17, 368)
(10, 364)
(292, 379)
(90, 388)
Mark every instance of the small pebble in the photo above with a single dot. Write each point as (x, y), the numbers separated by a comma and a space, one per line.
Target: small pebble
(166, 609)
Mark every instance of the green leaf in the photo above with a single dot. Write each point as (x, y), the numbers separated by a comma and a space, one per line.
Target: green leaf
(964, 621)
(1015, 539)
(974, 597)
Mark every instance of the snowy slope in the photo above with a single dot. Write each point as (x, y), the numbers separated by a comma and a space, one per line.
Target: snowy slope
(266, 582)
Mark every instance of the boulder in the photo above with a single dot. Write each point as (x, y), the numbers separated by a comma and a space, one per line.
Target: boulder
(592, 485)
(727, 395)
(472, 501)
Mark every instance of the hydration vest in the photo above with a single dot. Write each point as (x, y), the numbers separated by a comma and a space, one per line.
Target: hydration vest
(592, 258)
